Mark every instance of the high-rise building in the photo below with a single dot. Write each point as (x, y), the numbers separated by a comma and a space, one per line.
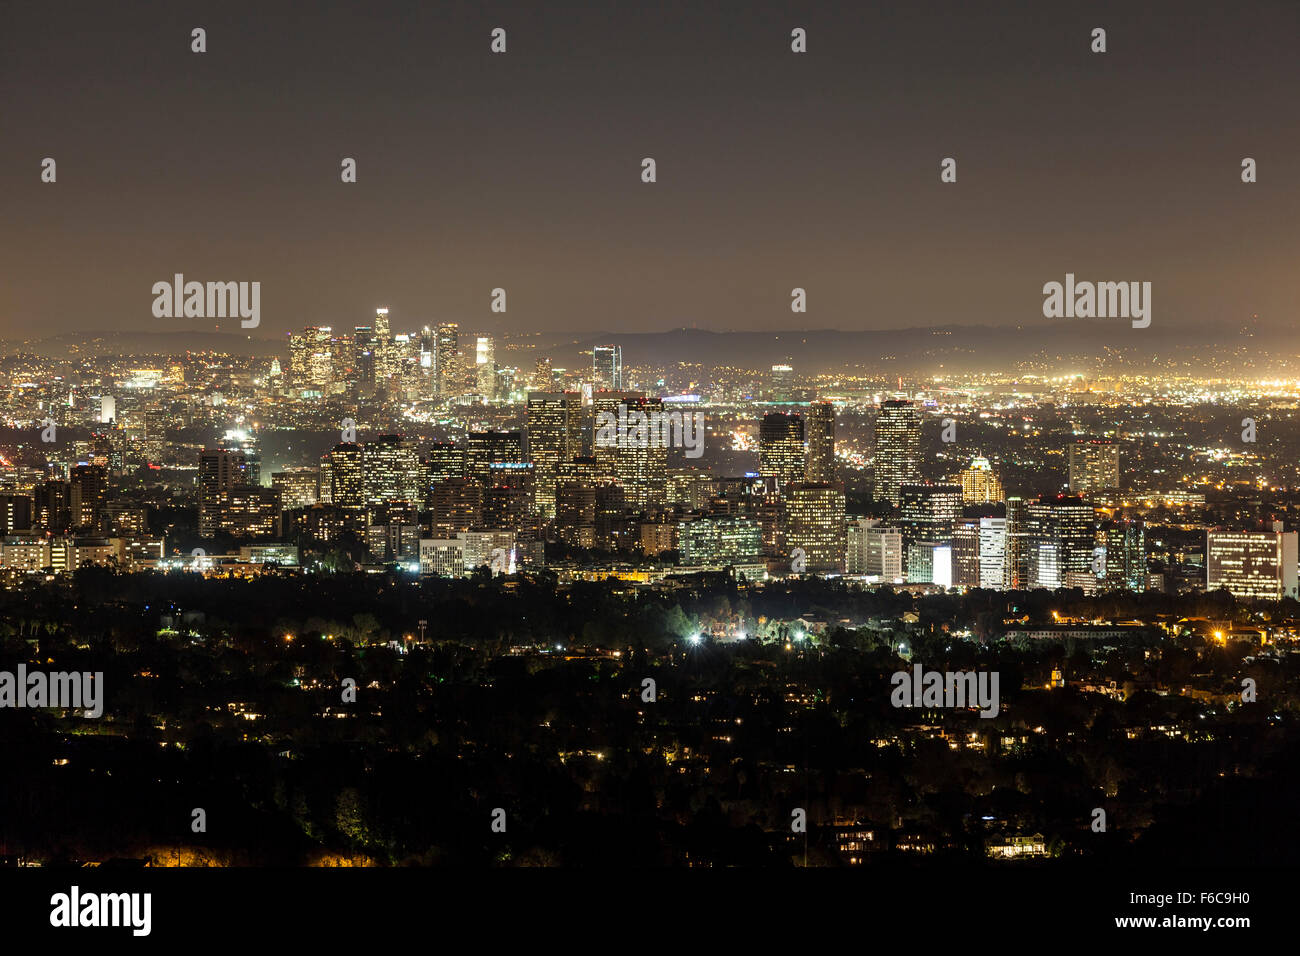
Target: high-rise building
(387, 356)
(966, 554)
(89, 492)
(246, 443)
(875, 550)
(780, 447)
(219, 470)
(346, 476)
(930, 562)
(782, 389)
(428, 364)
(391, 471)
(247, 511)
(457, 506)
(1094, 466)
(607, 366)
(640, 467)
(819, 427)
(485, 367)
(1125, 562)
(54, 505)
(363, 359)
(298, 487)
(554, 436)
(483, 449)
(1017, 554)
(494, 548)
(928, 511)
(898, 442)
(447, 346)
(445, 460)
(719, 540)
(543, 375)
(979, 485)
(1252, 564)
(993, 565)
(815, 523)
(509, 495)
(16, 512)
(1057, 541)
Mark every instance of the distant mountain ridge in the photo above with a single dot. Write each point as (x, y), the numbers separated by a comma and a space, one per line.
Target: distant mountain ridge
(929, 350)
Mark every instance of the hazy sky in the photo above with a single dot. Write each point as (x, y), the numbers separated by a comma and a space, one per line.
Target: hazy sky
(522, 170)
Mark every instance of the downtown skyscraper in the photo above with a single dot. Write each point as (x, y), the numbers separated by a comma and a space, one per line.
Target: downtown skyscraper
(898, 442)
(607, 366)
(781, 448)
(819, 430)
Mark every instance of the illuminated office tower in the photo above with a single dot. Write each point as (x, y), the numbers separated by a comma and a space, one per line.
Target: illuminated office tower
(819, 428)
(509, 495)
(1122, 548)
(428, 364)
(780, 448)
(635, 459)
(1016, 549)
(782, 388)
(815, 522)
(445, 460)
(930, 562)
(1134, 547)
(442, 557)
(979, 485)
(929, 511)
(457, 505)
(690, 489)
(346, 473)
(898, 441)
(387, 356)
(363, 359)
(447, 344)
(554, 436)
(719, 540)
(246, 443)
(505, 382)
(494, 548)
(54, 505)
(249, 511)
(607, 366)
(219, 470)
(485, 367)
(1057, 543)
(391, 471)
(874, 550)
(588, 504)
(966, 554)
(1094, 466)
(16, 512)
(1252, 564)
(298, 487)
(1046, 564)
(543, 375)
(89, 493)
(483, 449)
(993, 564)
(325, 486)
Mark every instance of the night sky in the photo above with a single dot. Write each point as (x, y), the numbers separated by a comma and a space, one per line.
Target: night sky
(522, 170)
